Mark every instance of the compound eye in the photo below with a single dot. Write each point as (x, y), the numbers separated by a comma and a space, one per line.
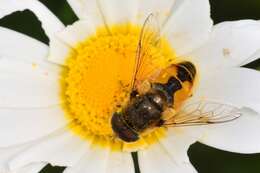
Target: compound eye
(128, 135)
(122, 130)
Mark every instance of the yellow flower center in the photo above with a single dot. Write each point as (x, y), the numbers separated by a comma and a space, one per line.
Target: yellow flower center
(97, 83)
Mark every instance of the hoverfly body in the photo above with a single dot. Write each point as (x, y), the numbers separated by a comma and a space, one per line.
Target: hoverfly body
(154, 102)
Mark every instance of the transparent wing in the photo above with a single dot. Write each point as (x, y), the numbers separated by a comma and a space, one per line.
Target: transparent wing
(149, 37)
(203, 113)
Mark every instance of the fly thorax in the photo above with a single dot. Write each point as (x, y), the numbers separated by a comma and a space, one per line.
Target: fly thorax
(144, 111)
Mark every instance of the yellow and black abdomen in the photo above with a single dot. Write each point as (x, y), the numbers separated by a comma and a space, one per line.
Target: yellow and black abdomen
(184, 74)
(186, 71)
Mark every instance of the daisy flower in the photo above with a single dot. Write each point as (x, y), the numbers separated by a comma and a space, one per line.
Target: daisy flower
(57, 100)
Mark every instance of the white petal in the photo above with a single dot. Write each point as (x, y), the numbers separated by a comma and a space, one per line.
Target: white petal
(230, 44)
(235, 86)
(59, 51)
(252, 58)
(6, 154)
(25, 84)
(26, 49)
(189, 26)
(161, 8)
(120, 162)
(50, 22)
(77, 32)
(61, 149)
(88, 9)
(21, 125)
(31, 168)
(241, 135)
(77, 6)
(156, 159)
(118, 11)
(178, 141)
(93, 161)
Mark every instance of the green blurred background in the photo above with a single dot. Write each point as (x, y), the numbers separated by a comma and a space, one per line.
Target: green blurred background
(204, 158)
